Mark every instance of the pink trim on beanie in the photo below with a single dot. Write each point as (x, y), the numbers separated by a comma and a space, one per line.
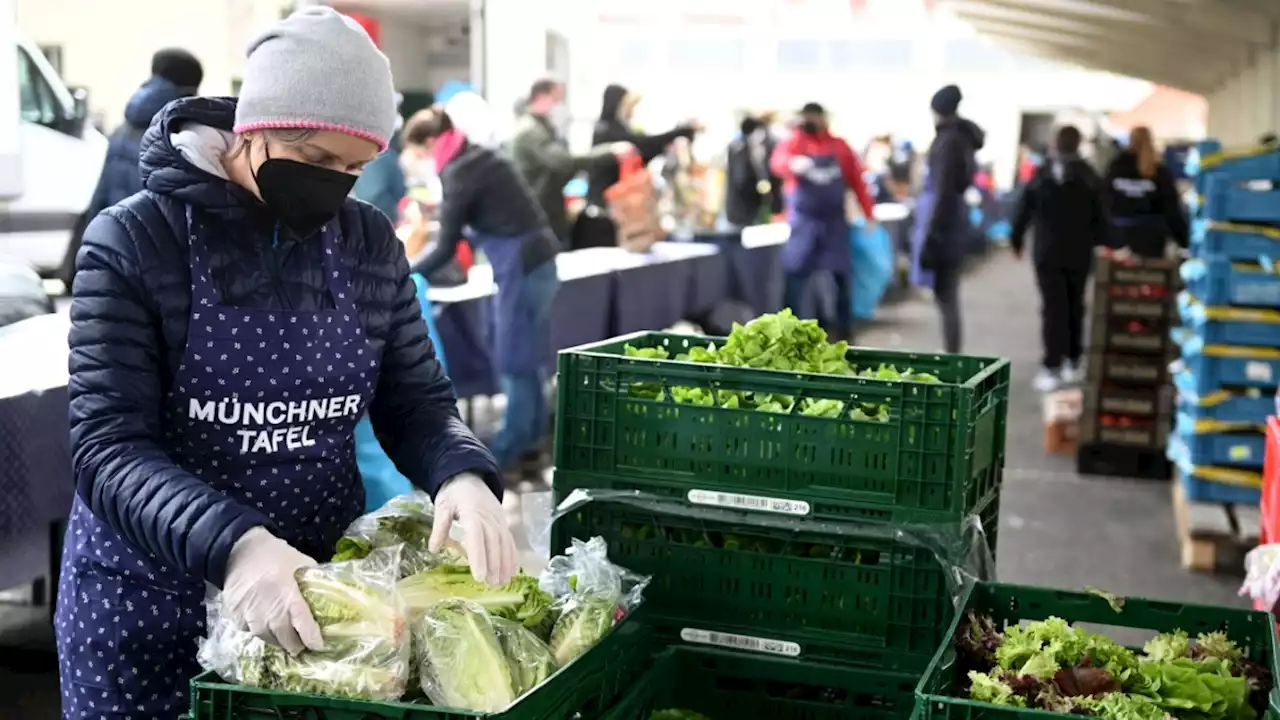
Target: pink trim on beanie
(382, 143)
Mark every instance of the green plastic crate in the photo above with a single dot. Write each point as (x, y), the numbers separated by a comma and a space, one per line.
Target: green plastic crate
(582, 689)
(1012, 604)
(882, 603)
(729, 686)
(938, 458)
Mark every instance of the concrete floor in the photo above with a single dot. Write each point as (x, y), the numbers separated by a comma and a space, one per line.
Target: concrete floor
(1056, 528)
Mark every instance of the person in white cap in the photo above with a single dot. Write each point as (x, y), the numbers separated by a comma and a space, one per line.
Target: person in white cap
(231, 324)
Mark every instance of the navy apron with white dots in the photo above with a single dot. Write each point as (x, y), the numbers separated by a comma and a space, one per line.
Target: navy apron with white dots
(262, 408)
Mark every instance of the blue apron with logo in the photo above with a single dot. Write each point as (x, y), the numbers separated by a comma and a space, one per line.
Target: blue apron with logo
(819, 237)
(262, 409)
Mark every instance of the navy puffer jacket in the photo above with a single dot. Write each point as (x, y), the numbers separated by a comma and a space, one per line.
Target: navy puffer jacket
(129, 330)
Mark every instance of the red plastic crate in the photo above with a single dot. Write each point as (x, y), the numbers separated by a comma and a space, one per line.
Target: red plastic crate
(1270, 502)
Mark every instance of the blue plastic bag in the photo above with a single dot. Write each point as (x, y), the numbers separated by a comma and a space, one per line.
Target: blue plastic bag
(381, 479)
(873, 260)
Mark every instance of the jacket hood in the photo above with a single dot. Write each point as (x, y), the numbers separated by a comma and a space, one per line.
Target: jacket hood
(149, 100)
(968, 129)
(166, 170)
(613, 96)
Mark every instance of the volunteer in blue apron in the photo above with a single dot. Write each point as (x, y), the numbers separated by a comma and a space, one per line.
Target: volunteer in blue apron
(230, 325)
(482, 191)
(818, 169)
(1142, 199)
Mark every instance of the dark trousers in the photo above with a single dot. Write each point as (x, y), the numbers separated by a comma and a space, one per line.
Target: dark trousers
(803, 297)
(946, 293)
(1062, 313)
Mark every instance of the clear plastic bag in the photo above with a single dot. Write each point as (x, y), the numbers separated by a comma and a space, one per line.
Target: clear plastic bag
(1262, 580)
(460, 660)
(361, 619)
(405, 520)
(592, 595)
(530, 659)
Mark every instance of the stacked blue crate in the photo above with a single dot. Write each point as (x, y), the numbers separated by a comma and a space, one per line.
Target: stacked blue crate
(1230, 335)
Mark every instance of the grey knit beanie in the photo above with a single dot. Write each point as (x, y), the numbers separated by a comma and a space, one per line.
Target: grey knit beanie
(317, 69)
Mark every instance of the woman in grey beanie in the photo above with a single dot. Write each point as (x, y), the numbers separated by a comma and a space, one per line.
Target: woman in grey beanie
(231, 324)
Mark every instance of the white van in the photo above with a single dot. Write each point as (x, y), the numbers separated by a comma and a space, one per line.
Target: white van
(60, 154)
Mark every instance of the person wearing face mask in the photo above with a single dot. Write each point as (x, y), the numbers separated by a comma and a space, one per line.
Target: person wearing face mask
(542, 157)
(230, 325)
(818, 171)
(483, 192)
(594, 227)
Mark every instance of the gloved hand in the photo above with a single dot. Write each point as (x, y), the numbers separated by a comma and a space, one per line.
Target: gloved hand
(262, 596)
(800, 164)
(491, 549)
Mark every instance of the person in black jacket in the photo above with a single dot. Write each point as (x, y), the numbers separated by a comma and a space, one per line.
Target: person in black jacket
(942, 228)
(483, 191)
(1142, 199)
(594, 227)
(753, 193)
(1063, 203)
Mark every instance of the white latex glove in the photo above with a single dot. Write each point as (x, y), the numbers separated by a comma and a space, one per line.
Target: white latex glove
(491, 549)
(261, 594)
(800, 164)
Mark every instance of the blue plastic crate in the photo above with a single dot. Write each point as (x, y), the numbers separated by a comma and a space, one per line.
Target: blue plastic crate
(1246, 405)
(1254, 327)
(1239, 165)
(1225, 198)
(1201, 490)
(1233, 241)
(1214, 483)
(1218, 281)
(1242, 448)
(1215, 366)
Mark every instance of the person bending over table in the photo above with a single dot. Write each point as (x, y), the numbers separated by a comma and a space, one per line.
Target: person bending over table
(231, 323)
(482, 190)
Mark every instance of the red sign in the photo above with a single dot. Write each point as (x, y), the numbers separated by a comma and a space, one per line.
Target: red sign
(370, 25)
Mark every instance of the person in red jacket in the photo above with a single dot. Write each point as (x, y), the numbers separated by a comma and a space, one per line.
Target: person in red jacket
(818, 169)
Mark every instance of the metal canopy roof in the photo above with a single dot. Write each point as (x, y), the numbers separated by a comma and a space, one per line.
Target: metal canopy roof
(1193, 45)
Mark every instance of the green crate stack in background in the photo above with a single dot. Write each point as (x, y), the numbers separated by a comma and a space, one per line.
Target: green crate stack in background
(795, 558)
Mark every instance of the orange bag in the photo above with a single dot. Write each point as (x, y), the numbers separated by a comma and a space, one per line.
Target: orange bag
(633, 204)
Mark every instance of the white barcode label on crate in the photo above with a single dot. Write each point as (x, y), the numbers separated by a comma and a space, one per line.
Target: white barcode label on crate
(1258, 371)
(749, 502)
(740, 642)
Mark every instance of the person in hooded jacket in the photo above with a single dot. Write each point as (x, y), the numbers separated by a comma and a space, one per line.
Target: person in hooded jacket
(1142, 199)
(594, 227)
(1063, 204)
(818, 170)
(230, 325)
(175, 74)
(483, 190)
(942, 226)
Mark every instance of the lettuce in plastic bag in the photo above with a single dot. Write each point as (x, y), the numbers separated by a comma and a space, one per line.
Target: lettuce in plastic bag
(592, 595)
(520, 599)
(361, 619)
(405, 520)
(461, 662)
(529, 658)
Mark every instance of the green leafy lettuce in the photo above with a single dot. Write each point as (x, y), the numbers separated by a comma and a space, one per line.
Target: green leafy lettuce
(581, 626)
(520, 599)
(461, 661)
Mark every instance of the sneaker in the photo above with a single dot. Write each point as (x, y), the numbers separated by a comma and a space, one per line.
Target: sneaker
(1072, 373)
(1047, 380)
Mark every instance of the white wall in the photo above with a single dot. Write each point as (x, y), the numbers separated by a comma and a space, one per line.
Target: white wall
(1247, 105)
(424, 52)
(107, 46)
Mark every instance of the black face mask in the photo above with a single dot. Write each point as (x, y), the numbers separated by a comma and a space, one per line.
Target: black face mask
(810, 127)
(303, 196)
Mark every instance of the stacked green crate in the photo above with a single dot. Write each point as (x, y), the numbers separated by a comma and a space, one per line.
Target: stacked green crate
(795, 557)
